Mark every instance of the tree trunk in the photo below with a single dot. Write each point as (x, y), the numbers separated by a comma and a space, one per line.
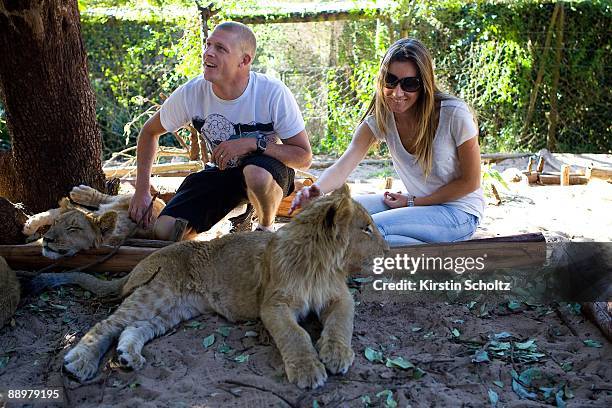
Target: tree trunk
(11, 223)
(49, 103)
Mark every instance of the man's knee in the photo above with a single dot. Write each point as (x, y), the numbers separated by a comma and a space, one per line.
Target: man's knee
(164, 226)
(257, 179)
(173, 229)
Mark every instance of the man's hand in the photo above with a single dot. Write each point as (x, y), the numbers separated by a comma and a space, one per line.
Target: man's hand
(395, 200)
(138, 206)
(232, 150)
(304, 196)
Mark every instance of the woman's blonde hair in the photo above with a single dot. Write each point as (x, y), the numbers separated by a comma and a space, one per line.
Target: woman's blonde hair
(409, 49)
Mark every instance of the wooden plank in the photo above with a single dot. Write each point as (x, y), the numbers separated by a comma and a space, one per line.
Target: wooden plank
(189, 166)
(147, 243)
(29, 257)
(551, 179)
(602, 173)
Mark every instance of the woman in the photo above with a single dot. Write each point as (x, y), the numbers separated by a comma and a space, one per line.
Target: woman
(433, 142)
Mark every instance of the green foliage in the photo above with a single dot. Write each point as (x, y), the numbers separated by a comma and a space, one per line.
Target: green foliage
(487, 52)
(130, 63)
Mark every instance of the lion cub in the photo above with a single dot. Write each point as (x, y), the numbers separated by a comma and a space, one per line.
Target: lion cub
(278, 277)
(74, 228)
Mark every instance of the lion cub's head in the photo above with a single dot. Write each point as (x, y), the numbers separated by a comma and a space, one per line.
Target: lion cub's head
(76, 229)
(339, 229)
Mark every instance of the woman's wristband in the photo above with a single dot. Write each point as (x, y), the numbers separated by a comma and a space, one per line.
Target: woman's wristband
(410, 202)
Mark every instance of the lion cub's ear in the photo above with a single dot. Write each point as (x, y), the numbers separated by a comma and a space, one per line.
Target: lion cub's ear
(342, 191)
(339, 213)
(107, 222)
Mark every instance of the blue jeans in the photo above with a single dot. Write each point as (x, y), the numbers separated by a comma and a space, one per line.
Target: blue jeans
(418, 225)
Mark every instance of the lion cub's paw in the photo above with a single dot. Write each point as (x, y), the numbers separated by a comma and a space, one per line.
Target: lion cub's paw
(132, 360)
(115, 240)
(82, 194)
(81, 363)
(32, 225)
(306, 372)
(336, 355)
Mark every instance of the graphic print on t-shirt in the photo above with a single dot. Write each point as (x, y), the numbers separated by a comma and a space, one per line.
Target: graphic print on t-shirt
(216, 129)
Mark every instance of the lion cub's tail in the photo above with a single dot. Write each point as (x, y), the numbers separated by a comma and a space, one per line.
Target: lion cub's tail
(98, 286)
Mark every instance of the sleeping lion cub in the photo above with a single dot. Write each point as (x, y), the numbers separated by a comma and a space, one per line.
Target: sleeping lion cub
(278, 277)
(74, 228)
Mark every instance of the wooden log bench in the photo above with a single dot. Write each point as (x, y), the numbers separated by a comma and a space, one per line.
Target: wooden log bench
(29, 257)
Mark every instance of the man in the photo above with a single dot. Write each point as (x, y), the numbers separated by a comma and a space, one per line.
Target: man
(241, 115)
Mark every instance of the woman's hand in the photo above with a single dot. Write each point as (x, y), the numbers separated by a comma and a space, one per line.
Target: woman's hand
(395, 200)
(303, 196)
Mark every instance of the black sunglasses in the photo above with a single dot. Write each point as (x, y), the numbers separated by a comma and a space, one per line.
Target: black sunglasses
(408, 84)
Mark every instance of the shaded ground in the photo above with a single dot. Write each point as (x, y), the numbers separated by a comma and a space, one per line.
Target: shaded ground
(441, 340)
(180, 371)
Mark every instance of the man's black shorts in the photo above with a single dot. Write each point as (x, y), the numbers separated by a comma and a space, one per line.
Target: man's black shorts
(207, 196)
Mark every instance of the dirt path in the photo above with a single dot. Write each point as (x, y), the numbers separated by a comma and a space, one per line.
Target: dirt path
(180, 371)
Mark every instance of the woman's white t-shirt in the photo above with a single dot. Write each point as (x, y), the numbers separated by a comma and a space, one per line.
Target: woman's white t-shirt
(456, 126)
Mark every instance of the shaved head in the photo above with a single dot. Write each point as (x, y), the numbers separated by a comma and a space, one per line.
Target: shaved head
(245, 36)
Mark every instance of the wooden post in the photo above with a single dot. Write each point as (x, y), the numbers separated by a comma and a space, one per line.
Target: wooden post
(530, 165)
(565, 175)
(388, 183)
(540, 167)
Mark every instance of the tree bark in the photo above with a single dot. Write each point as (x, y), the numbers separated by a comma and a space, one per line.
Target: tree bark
(49, 103)
(12, 219)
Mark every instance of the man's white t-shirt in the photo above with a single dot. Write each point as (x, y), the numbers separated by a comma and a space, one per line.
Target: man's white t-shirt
(266, 107)
(456, 126)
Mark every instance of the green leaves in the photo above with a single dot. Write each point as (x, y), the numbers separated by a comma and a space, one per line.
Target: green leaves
(195, 325)
(493, 398)
(4, 361)
(208, 341)
(387, 397)
(399, 362)
(224, 348)
(224, 331)
(373, 355)
(242, 358)
(481, 356)
(592, 343)
(528, 345)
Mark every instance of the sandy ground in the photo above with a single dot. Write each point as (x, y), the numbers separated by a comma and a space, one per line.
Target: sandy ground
(554, 348)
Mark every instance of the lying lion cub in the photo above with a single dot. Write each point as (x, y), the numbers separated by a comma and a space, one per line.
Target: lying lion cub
(74, 228)
(278, 277)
